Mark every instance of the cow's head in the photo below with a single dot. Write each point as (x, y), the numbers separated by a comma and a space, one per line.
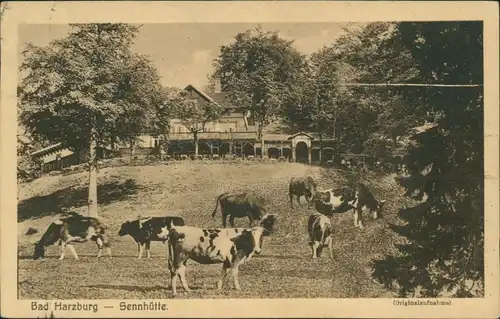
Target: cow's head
(126, 228)
(250, 241)
(377, 213)
(39, 251)
(173, 236)
(322, 196)
(267, 222)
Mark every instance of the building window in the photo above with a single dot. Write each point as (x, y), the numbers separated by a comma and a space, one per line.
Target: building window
(179, 129)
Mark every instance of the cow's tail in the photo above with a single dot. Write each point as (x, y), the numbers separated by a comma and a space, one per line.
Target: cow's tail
(217, 204)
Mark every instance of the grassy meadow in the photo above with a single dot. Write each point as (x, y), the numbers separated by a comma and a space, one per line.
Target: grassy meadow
(284, 269)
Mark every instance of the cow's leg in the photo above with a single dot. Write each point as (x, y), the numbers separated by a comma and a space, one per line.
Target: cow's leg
(141, 249)
(231, 220)
(99, 246)
(148, 247)
(330, 245)
(223, 274)
(250, 220)
(63, 247)
(319, 250)
(224, 218)
(182, 274)
(374, 214)
(138, 250)
(298, 200)
(291, 200)
(73, 251)
(358, 217)
(234, 271)
(107, 244)
(314, 247)
(173, 278)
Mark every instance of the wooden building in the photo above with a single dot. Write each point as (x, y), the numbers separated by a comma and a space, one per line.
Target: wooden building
(235, 133)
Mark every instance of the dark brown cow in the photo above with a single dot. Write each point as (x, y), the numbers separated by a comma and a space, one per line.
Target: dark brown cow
(73, 229)
(239, 205)
(145, 230)
(302, 186)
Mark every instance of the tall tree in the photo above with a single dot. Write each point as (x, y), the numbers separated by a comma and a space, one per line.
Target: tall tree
(445, 231)
(259, 69)
(194, 115)
(88, 90)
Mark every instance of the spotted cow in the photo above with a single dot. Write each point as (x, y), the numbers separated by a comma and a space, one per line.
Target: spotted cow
(302, 186)
(340, 200)
(146, 229)
(211, 246)
(320, 234)
(73, 229)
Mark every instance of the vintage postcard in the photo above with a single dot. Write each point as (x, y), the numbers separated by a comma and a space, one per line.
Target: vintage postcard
(223, 159)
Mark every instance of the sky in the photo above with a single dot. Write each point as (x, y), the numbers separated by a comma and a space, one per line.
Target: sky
(184, 52)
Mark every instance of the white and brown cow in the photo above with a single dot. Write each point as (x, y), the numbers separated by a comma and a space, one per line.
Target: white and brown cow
(301, 186)
(339, 200)
(210, 246)
(144, 230)
(320, 234)
(73, 229)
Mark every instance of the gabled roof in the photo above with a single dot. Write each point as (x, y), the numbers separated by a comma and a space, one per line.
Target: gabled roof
(221, 98)
(200, 92)
(47, 149)
(301, 133)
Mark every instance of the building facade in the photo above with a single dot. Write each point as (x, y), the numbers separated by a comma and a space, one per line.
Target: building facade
(235, 134)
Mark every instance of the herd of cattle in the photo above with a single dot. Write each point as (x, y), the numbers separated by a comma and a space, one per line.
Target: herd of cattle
(229, 246)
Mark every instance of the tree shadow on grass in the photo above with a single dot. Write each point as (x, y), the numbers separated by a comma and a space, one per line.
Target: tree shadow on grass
(58, 201)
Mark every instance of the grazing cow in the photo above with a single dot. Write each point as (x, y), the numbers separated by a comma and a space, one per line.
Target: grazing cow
(73, 229)
(328, 202)
(145, 230)
(302, 186)
(320, 234)
(344, 199)
(239, 205)
(210, 246)
(366, 200)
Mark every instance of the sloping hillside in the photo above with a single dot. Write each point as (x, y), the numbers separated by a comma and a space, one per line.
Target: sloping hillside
(285, 268)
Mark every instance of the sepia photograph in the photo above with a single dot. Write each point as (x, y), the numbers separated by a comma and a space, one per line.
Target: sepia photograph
(307, 160)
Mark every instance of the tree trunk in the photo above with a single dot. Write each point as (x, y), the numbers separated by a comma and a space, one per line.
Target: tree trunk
(92, 200)
(195, 134)
(320, 147)
(132, 148)
(394, 144)
(259, 133)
